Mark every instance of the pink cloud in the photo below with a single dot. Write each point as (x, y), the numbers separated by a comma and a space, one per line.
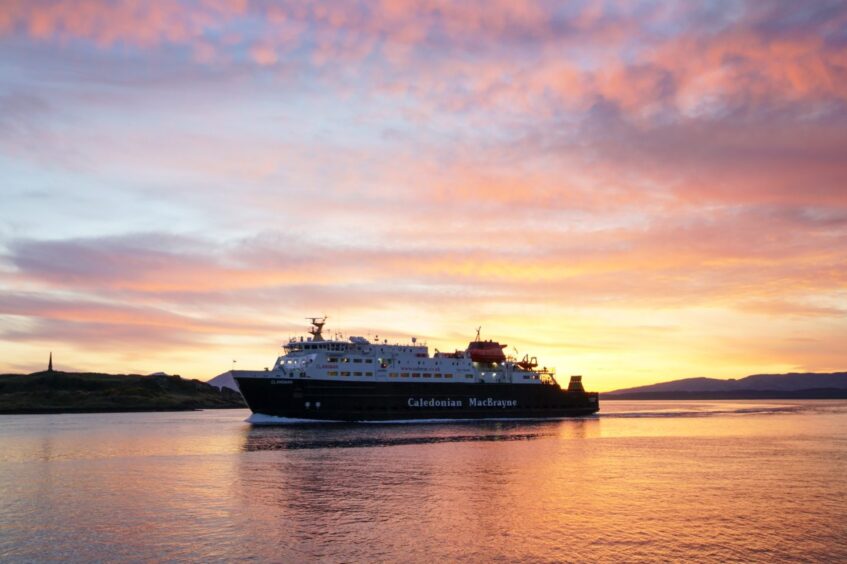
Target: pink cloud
(106, 23)
(263, 54)
(575, 55)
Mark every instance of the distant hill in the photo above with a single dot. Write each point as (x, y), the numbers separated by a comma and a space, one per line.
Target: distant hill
(795, 385)
(67, 392)
(224, 380)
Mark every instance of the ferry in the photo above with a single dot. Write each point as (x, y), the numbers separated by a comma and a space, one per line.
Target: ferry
(359, 379)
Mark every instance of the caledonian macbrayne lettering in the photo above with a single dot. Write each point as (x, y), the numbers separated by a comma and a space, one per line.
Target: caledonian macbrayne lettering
(472, 402)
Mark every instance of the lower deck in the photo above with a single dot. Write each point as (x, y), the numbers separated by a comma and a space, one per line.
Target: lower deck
(381, 401)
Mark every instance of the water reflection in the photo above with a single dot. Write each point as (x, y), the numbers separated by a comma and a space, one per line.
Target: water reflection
(744, 483)
(319, 436)
(338, 492)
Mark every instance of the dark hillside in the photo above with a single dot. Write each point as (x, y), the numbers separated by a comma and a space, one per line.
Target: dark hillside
(63, 392)
(758, 386)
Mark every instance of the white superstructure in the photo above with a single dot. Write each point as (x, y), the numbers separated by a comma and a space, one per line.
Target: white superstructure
(359, 359)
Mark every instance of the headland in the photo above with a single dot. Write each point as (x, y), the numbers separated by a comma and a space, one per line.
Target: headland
(54, 391)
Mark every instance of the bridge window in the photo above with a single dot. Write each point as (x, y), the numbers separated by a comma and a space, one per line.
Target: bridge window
(332, 373)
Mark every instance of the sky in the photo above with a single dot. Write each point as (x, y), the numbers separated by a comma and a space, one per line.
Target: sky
(633, 191)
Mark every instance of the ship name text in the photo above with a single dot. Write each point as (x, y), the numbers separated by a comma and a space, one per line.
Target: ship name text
(433, 402)
(472, 402)
(491, 402)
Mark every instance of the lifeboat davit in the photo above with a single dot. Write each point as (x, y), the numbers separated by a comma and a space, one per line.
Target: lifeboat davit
(486, 351)
(528, 363)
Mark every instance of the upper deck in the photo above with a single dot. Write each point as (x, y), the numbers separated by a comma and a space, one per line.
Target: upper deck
(305, 345)
(358, 358)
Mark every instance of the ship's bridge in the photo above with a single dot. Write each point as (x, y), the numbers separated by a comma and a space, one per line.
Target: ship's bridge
(310, 345)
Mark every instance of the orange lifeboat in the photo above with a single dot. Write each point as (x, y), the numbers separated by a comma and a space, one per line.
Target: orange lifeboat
(486, 351)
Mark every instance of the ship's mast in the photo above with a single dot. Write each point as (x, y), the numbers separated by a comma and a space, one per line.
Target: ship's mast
(317, 326)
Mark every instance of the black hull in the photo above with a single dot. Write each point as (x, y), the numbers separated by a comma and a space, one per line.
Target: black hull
(387, 401)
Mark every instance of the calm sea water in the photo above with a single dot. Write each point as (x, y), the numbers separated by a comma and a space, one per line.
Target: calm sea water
(698, 481)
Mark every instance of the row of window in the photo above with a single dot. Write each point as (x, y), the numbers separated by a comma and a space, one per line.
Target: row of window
(360, 360)
(419, 375)
(414, 375)
(319, 346)
(397, 374)
(371, 361)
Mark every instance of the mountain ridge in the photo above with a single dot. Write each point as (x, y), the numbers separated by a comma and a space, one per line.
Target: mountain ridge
(792, 384)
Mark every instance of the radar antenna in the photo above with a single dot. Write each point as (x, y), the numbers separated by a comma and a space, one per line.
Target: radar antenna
(317, 326)
(478, 329)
